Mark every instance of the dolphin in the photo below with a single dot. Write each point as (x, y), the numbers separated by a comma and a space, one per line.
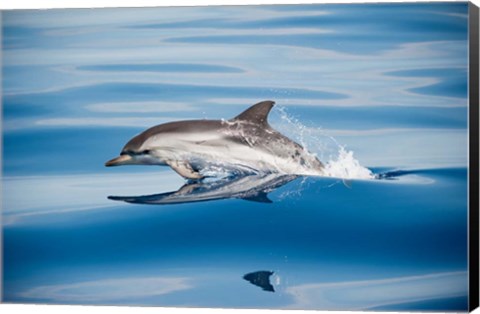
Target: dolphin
(251, 188)
(246, 143)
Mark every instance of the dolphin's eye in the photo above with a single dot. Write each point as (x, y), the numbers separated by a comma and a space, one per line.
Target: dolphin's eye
(127, 152)
(132, 153)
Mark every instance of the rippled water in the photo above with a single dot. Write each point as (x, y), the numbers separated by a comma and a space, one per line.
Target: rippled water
(378, 87)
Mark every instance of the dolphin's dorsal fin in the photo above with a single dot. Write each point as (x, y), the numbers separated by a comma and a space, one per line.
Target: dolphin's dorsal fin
(260, 197)
(257, 113)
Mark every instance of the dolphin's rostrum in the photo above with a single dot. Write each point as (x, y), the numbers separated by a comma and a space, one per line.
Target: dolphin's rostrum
(246, 144)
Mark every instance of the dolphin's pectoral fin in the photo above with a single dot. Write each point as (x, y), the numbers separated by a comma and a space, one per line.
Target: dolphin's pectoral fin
(347, 183)
(188, 188)
(184, 169)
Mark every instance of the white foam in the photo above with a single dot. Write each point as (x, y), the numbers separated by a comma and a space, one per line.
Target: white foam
(345, 166)
(340, 162)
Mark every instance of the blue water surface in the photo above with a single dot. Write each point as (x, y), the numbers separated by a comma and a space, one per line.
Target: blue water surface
(386, 81)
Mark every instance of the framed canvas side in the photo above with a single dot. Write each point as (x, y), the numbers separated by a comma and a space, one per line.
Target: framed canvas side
(474, 158)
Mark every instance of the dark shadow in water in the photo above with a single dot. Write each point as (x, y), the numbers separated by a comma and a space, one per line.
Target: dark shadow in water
(251, 188)
(260, 278)
(396, 174)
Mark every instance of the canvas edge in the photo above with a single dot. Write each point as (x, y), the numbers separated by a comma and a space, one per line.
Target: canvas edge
(473, 258)
(1, 157)
(473, 221)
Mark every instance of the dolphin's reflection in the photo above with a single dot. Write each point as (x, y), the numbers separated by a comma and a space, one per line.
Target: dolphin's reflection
(252, 188)
(260, 278)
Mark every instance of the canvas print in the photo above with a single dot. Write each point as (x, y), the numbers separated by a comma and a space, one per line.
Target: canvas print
(279, 156)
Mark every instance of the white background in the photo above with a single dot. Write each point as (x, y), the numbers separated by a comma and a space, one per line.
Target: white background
(45, 4)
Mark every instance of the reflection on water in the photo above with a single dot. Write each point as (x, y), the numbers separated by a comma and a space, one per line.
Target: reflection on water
(251, 188)
(383, 292)
(385, 81)
(107, 290)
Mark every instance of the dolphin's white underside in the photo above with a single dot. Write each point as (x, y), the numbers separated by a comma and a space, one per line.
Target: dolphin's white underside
(215, 151)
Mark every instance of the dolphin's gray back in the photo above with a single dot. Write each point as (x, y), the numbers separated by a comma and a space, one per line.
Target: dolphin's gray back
(255, 115)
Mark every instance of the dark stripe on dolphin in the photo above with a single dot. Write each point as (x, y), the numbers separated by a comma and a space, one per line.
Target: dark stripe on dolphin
(173, 127)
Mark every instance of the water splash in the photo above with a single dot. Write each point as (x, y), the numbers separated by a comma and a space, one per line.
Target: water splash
(345, 166)
(340, 161)
(318, 145)
(312, 139)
